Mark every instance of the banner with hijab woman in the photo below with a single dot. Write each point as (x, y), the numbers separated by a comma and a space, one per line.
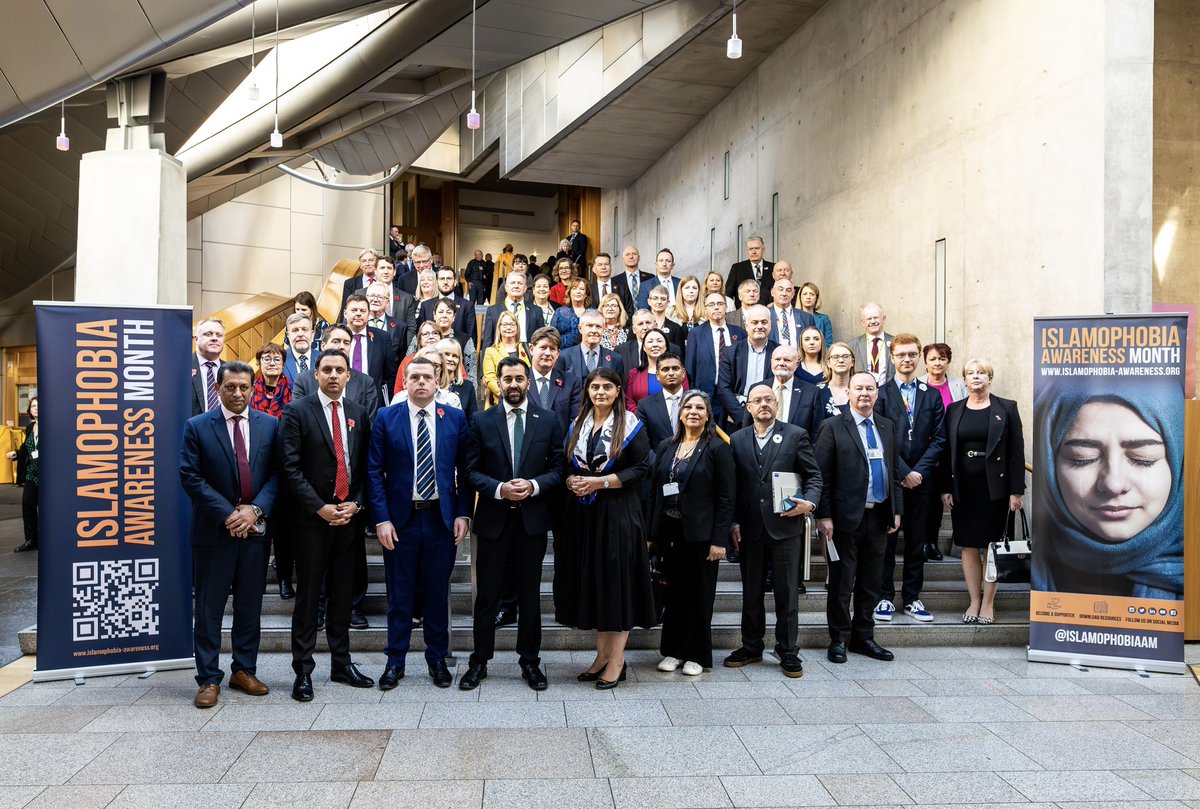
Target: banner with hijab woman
(1107, 579)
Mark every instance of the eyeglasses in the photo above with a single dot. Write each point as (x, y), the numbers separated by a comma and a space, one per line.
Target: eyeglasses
(270, 359)
(841, 357)
(907, 355)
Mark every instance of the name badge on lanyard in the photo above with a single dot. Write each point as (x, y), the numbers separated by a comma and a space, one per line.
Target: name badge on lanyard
(875, 454)
(670, 489)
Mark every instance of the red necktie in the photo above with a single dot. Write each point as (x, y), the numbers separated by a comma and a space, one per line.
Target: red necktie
(341, 477)
(875, 355)
(243, 462)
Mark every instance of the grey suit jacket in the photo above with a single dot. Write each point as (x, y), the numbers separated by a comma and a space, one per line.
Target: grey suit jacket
(861, 347)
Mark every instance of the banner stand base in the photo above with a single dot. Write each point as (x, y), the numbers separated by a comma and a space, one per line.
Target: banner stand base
(1132, 664)
(82, 672)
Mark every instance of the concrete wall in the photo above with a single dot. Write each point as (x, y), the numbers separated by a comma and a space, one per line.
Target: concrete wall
(1176, 153)
(282, 237)
(885, 126)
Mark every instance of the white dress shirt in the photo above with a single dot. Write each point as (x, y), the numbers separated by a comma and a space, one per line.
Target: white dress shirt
(511, 421)
(341, 425)
(430, 422)
(716, 338)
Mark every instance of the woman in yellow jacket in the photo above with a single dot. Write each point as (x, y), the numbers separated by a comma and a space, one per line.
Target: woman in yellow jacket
(507, 344)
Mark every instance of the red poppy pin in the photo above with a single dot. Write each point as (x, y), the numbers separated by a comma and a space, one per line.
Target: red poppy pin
(349, 424)
(441, 412)
(194, 372)
(558, 382)
(733, 337)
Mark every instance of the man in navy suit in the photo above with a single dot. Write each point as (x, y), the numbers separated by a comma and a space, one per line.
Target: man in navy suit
(372, 351)
(786, 320)
(210, 342)
(227, 469)
(919, 416)
(367, 260)
(660, 411)
(529, 318)
(464, 310)
(588, 355)
(301, 353)
(515, 464)
(743, 364)
(577, 246)
(705, 345)
(549, 387)
(603, 283)
(664, 265)
(417, 484)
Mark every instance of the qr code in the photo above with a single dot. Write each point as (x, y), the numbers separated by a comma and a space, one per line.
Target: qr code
(114, 599)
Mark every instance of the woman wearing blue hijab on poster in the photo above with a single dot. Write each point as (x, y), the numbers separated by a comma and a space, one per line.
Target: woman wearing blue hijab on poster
(1109, 489)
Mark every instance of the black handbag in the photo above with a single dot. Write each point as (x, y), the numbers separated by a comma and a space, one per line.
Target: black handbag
(1010, 559)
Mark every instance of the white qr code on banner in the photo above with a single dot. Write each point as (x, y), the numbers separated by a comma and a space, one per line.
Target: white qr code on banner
(114, 599)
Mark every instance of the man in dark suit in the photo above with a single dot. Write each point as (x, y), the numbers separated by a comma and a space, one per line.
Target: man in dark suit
(786, 320)
(529, 318)
(515, 464)
(799, 401)
(860, 505)
(743, 364)
(478, 282)
(581, 359)
(660, 411)
(227, 468)
(629, 281)
(378, 318)
(417, 487)
(401, 305)
(420, 259)
(764, 534)
(322, 460)
(549, 387)
(359, 388)
(755, 266)
(301, 353)
(464, 310)
(299, 364)
(873, 347)
(748, 292)
(664, 265)
(577, 247)
(371, 351)
(603, 284)
(367, 260)
(210, 342)
(705, 345)
(919, 416)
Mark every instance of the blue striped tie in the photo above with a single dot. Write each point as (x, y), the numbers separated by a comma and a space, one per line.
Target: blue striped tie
(878, 490)
(424, 458)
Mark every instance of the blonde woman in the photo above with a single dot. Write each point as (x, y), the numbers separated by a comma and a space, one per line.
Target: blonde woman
(688, 311)
(812, 356)
(715, 282)
(454, 375)
(839, 367)
(616, 321)
(507, 344)
(808, 299)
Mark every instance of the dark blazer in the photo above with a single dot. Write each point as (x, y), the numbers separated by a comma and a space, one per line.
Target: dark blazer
(620, 290)
(306, 459)
(465, 390)
(383, 358)
(531, 313)
(351, 285)
(643, 298)
(565, 395)
(291, 366)
(464, 317)
(802, 319)
(706, 492)
(1005, 466)
(579, 248)
(406, 281)
(209, 472)
(754, 507)
(921, 447)
(361, 388)
(804, 407)
(732, 380)
(621, 283)
(199, 393)
(701, 360)
(742, 270)
(676, 337)
(392, 463)
(490, 463)
(843, 461)
(571, 363)
(654, 415)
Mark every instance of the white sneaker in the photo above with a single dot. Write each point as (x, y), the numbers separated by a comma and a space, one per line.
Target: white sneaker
(884, 610)
(917, 610)
(669, 664)
(692, 669)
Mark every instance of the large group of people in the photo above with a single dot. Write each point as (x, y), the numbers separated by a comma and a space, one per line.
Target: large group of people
(652, 423)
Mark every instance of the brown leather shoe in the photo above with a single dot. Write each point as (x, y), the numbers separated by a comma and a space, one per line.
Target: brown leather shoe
(247, 683)
(206, 697)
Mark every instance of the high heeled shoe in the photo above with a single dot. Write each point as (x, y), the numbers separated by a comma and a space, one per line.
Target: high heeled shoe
(605, 685)
(591, 676)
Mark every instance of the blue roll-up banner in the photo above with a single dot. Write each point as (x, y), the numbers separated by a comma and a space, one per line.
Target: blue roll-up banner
(1107, 580)
(114, 561)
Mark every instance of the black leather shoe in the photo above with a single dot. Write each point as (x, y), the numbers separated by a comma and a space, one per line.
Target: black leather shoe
(358, 620)
(302, 688)
(285, 590)
(351, 676)
(392, 675)
(837, 652)
(733, 556)
(320, 618)
(871, 649)
(475, 673)
(802, 589)
(606, 685)
(932, 553)
(791, 665)
(742, 657)
(505, 618)
(532, 674)
(441, 675)
(25, 546)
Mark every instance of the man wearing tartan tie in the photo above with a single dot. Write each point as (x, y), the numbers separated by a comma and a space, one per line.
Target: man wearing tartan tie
(416, 484)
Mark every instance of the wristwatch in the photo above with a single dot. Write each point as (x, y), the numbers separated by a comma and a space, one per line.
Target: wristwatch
(606, 481)
(258, 512)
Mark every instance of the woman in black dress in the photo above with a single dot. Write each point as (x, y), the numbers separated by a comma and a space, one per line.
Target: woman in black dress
(605, 572)
(690, 513)
(984, 478)
(27, 476)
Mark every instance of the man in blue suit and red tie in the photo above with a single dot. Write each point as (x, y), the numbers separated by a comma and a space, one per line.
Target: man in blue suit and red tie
(227, 469)
(415, 468)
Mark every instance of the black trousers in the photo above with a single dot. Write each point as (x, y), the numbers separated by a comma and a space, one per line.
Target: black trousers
(323, 554)
(241, 566)
(857, 571)
(29, 512)
(915, 526)
(691, 589)
(783, 555)
(520, 555)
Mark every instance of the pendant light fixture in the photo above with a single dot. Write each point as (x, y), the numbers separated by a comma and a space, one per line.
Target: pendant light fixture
(733, 48)
(276, 135)
(252, 90)
(473, 121)
(62, 142)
